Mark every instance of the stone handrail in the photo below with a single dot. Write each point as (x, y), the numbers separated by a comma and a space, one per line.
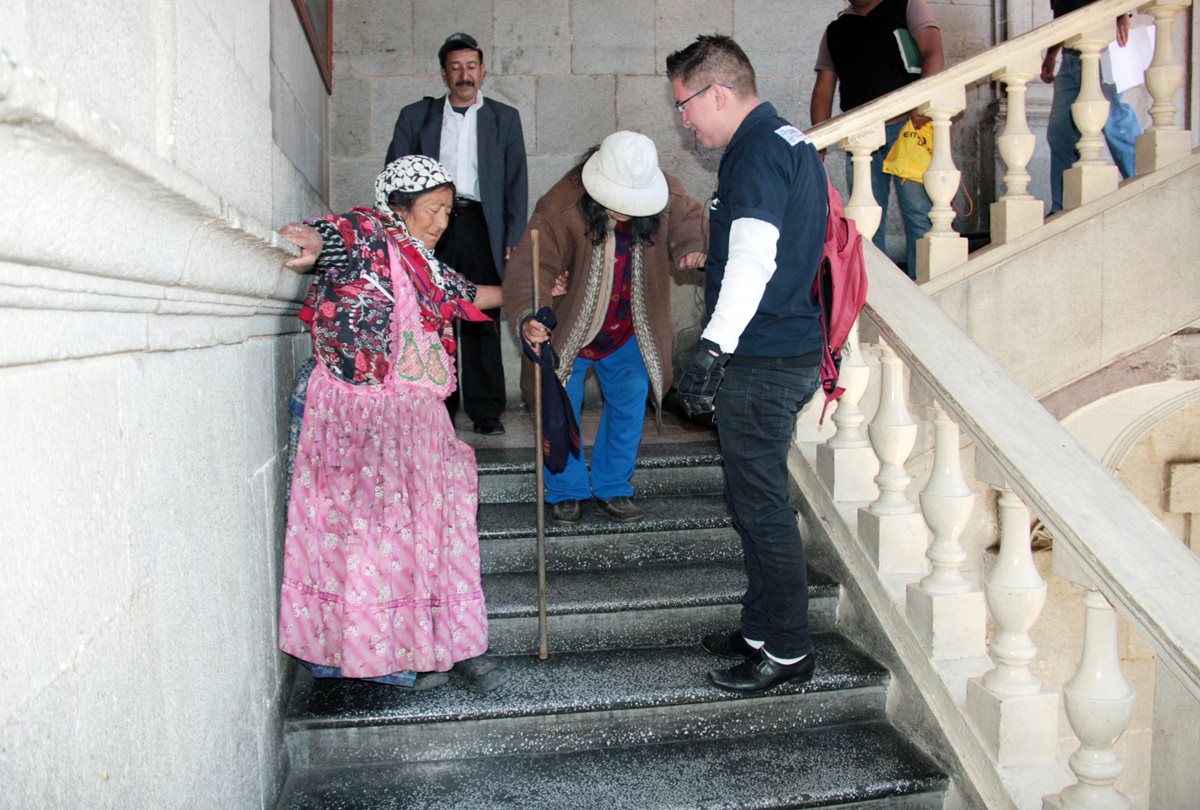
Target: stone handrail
(1121, 547)
(906, 558)
(215, 275)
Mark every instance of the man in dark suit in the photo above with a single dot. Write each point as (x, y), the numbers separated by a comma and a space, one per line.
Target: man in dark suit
(480, 141)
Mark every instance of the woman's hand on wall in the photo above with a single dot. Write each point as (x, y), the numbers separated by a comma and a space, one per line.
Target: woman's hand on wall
(309, 242)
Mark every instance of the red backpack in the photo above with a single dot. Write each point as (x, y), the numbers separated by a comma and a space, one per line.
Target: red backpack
(841, 289)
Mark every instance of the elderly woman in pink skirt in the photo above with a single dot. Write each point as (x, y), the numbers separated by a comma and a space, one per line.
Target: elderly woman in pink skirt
(381, 576)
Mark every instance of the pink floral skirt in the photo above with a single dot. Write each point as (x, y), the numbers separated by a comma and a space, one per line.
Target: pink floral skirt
(381, 558)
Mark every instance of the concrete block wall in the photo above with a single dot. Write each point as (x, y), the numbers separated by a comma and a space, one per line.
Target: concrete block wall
(580, 69)
(149, 345)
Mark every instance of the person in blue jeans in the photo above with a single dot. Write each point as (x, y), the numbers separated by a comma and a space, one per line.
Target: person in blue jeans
(612, 228)
(859, 57)
(1120, 130)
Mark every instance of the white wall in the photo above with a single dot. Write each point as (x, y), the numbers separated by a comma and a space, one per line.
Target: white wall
(149, 341)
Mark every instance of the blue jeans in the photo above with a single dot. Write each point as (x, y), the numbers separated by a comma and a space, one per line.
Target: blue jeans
(1120, 130)
(624, 384)
(914, 202)
(756, 415)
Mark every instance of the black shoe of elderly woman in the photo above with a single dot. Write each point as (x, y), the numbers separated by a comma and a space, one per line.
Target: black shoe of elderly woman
(426, 681)
(481, 674)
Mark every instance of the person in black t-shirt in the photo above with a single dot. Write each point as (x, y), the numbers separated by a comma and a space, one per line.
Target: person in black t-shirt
(860, 55)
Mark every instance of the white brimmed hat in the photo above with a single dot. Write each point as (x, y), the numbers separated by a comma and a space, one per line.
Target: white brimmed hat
(623, 175)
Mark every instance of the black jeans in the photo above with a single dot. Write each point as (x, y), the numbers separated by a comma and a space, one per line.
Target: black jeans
(465, 247)
(756, 415)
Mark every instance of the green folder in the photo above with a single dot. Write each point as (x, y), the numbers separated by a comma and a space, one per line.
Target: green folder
(910, 54)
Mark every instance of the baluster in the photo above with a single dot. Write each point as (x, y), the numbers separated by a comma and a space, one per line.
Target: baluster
(1017, 212)
(1163, 142)
(1099, 704)
(942, 248)
(947, 612)
(846, 463)
(1092, 176)
(862, 206)
(1015, 595)
(892, 528)
(1016, 717)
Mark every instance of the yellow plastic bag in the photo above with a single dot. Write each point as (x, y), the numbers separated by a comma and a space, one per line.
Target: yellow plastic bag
(911, 153)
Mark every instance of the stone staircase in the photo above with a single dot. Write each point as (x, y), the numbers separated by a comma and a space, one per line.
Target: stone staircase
(620, 715)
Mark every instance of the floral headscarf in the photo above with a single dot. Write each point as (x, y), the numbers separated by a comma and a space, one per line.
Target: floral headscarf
(437, 298)
(411, 174)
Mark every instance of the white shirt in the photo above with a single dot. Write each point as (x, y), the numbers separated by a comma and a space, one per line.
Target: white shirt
(750, 266)
(458, 151)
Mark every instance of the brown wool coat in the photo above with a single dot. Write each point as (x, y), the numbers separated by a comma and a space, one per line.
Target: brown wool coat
(565, 245)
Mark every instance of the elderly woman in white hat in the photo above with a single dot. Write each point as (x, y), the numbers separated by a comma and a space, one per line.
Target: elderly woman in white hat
(615, 224)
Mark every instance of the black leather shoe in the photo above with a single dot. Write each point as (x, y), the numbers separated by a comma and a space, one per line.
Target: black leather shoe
(758, 673)
(489, 427)
(566, 513)
(621, 509)
(727, 645)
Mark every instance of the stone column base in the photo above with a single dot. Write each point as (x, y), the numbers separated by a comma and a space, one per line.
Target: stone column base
(950, 625)
(1085, 184)
(937, 254)
(1012, 218)
(896, 543)
(848, 472)
(1017, 729)
(1161, 147)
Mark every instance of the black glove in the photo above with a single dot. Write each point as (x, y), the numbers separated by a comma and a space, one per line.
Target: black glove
(698, 386)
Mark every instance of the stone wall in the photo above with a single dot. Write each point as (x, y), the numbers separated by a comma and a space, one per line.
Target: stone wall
(579, 70)
(149, 343)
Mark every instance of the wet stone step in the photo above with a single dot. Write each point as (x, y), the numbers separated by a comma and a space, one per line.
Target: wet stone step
(576, 701)
(507, 475)
(511, 553)
(864, 765)
(631, 607)
(681, 513)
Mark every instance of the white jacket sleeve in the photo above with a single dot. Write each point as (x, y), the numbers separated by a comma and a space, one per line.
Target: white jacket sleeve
(751, 263)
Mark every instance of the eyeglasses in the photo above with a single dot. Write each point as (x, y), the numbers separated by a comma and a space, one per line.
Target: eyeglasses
(681, 104)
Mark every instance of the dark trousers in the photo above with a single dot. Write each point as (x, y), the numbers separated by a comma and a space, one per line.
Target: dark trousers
(756, 414)
(465, 247)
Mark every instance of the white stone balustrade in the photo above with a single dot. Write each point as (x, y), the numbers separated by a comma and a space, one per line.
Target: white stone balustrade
(997, 714)
(942, 248)
(846, 462)
(1092, 176)
(861, 205)
(943, 96)
(1015, 714)
(946, 611)
(1018, 211)
(892, 528)
(1164, 142)
(1099, 703)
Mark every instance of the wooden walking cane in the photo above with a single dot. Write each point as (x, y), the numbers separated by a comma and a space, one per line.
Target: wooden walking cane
(543, 632)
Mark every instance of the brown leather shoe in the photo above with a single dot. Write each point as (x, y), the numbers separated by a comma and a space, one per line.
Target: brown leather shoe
(566, 513)
(621, 509)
